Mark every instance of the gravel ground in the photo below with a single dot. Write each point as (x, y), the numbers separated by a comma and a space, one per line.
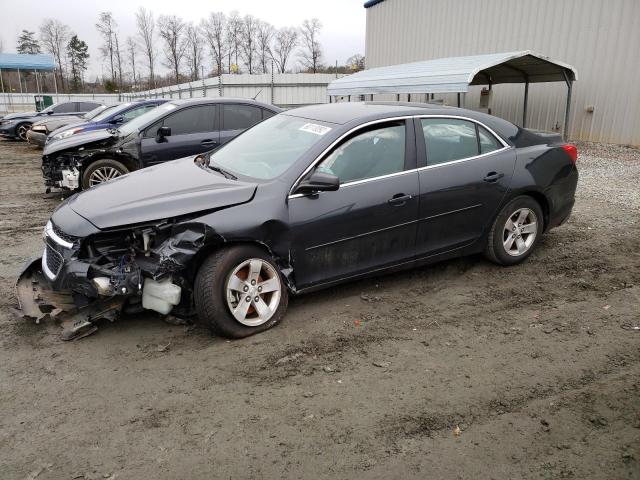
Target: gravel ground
(460, 370)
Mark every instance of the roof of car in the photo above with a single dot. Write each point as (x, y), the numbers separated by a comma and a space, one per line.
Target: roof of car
(249, 101)
(347, 112)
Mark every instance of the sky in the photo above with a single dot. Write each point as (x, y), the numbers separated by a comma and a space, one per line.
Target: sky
(342, 35)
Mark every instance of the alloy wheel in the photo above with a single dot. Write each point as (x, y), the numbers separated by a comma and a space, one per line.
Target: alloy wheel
(253, 292)
(22, 132)
(520, 232)
(103, 174)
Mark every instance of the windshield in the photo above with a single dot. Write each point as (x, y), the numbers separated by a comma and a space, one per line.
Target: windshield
(93, 113)
(271, 147)
(111, 111)
(146, 118)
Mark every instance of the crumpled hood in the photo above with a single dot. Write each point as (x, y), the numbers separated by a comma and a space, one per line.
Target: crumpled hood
(86, 139)
(163, 191)
(13, 116)
(53, 120)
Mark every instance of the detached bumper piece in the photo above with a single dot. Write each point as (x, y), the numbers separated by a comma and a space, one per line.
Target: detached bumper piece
(38, 302)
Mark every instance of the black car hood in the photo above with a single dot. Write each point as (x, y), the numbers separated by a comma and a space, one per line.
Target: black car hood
(163, 191)
(80, 140)
(54, 120)
(13, 116)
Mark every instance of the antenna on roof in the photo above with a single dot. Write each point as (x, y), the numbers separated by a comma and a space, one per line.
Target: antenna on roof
(258, 94)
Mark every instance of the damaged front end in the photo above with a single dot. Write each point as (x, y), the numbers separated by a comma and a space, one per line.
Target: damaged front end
(62, 171)
(80, 280)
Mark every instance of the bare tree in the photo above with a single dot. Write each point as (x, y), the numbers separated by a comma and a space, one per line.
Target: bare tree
(194, 50)
(132, 51)
(263, 44)
(55, 35)
(233, 32)
(285, 40)
(356, 62)
(106, 26)
(116, 51)
(214, 30)
(172, 29)
(248, 41)
(311, 54)
(146, 30)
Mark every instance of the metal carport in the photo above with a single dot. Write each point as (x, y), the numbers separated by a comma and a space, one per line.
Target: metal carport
(456, 74)
(27, 63)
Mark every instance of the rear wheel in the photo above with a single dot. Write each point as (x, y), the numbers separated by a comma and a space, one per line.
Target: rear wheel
(21, 131)
(515, 231)
(239, 292)
(102, 171)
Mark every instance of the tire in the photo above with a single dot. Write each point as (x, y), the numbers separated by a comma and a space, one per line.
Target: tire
(21, 131)
(102, 171)
(511, 243)
(223, 284)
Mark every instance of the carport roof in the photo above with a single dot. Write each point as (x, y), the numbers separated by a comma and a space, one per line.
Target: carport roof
(18, 61)
(454, 74)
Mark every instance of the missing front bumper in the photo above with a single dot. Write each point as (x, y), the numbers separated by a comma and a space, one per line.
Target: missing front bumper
(38, 302)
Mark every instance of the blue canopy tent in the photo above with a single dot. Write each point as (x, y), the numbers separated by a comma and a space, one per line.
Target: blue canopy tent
(18, 62)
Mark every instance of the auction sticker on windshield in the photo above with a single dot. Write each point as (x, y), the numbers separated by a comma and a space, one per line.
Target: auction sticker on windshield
(315, 128)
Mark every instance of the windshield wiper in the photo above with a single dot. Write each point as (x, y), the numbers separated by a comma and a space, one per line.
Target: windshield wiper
(222, 171)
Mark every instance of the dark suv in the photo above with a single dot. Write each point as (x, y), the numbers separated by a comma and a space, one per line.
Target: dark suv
(176, 129)
(16, 125)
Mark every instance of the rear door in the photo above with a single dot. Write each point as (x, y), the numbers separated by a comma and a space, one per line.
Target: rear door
(465, 172)
(194, 130)
(235, 118)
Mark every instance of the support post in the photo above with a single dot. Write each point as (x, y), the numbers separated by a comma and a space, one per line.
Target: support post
(37, 82)
(458, 99)
(1, 81)
(567, 111)
(526, 101)
(55, 84)
(20, 80)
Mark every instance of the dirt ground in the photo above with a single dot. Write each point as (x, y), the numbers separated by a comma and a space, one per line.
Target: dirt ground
(459, 370)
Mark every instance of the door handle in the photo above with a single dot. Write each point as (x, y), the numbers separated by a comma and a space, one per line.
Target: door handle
(208, 142)
(493, 177)
(399, 199)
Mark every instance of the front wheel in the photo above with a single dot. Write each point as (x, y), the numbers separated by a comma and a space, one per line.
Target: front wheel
(239, 292)
(21, 131)
(102, 171)
(515, 231)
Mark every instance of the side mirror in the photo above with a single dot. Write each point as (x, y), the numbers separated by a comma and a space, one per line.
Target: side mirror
(50, 112)
(119, 119)
(163, 132)
(319, 182)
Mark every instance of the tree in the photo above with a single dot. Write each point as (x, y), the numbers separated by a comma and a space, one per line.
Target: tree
(132, 51)
(311, 54)
(214, 30)
(285, 40)
(116, 51)
(248, 31)
(78, 56)
(54, 36)
(106, 27)
(27, 43)
(234, 27)
(171, 29)
(356, 62)
(194, 50)
(146, 28)
(263, 44)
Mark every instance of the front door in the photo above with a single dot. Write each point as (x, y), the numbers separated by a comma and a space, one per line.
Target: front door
(193, 131)
(467, 174)
(369, 223)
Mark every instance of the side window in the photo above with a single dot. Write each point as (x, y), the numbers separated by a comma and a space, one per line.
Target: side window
(448, 139)
(191, 120)
(68, 107)
(371, 153)
(267, 113)
(488, 143)
(239, 117)
(135, 112)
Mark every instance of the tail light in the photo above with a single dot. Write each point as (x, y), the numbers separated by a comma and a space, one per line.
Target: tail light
(572, 151)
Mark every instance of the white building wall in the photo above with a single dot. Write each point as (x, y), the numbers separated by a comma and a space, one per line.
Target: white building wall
(600, 38)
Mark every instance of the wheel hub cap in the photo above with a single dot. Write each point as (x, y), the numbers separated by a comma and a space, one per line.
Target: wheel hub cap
(520, 232)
